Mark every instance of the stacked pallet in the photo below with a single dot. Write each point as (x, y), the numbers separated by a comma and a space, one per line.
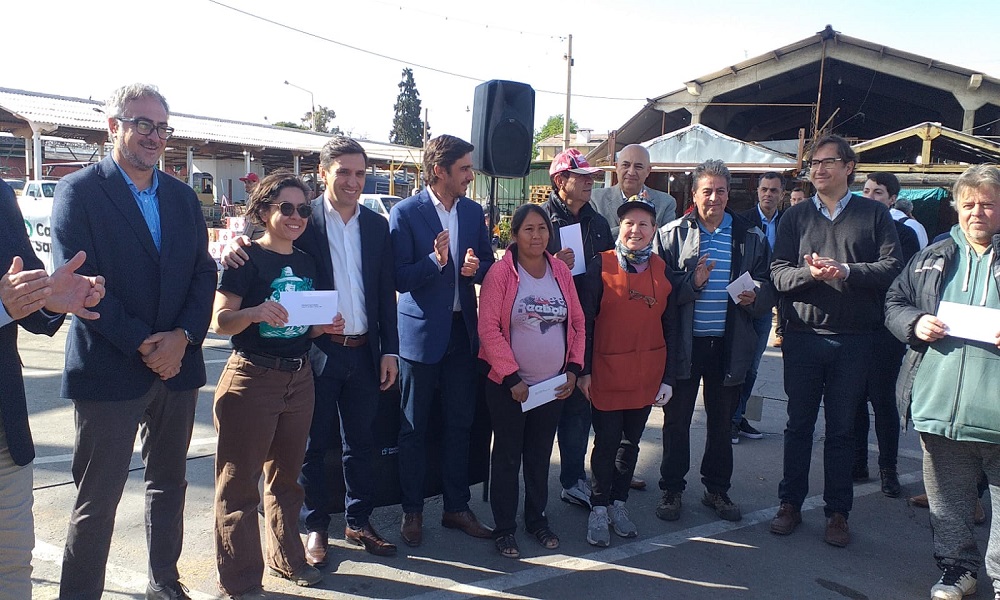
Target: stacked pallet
(539, 193)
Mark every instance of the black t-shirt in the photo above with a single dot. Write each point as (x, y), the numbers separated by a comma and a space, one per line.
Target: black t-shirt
(264, 277)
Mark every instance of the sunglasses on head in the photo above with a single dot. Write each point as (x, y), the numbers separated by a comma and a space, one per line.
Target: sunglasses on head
(287, 209)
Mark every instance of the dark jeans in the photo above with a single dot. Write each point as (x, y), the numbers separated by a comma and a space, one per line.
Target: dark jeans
(347, 397)
(762, 326)
(455, 376)
(519, 438)
(707, 365)
(881, 392)
(574, 437)
(831, 368)
(102, 452)
(616, 450)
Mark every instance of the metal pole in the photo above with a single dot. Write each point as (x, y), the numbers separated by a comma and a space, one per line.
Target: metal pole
(425, 130)
(569, 79)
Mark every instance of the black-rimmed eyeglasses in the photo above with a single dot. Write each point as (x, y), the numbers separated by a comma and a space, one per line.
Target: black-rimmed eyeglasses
(287, 209)
(826, 162)
(146, 127)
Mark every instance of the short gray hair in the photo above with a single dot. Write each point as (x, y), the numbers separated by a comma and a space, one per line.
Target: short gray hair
(974, 178)
(712, 167)
(904, 206)
(122, 96)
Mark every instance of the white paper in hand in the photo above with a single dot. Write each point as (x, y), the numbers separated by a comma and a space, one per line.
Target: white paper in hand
(310, 308)
(739, 285)
(571, 237)
(970, 322)
(543, 392)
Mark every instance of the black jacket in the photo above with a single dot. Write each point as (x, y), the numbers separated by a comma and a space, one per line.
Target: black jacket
(595, 230)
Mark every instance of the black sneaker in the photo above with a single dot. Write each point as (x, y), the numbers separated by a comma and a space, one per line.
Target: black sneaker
(747, 430)
(170, 591)
(734, 434)
(955, 583)
(890, 483)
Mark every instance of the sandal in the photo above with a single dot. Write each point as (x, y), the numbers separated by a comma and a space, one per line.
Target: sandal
(507, 545)
(546, 538)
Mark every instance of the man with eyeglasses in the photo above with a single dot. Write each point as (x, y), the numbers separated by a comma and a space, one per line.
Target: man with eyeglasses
(144, 231)
(834, 258)
(714, 338)
(352, 249)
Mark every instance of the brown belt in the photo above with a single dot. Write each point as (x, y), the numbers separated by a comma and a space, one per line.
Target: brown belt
(350, 341)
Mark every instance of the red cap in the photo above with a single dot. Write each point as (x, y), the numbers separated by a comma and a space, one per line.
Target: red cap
(251, 177)
(571, 160)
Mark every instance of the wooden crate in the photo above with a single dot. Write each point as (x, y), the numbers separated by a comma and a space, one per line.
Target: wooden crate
(540, 193)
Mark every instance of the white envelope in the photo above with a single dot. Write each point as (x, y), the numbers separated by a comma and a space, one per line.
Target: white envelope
(739, 285)
(571, 237)
(543, 392)
(310, 308)
(970, 322)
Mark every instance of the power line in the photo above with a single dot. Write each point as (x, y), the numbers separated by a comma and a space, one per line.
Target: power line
(474, 23)
(400, 60)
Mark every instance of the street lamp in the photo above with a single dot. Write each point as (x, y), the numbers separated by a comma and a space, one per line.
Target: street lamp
(312, 102)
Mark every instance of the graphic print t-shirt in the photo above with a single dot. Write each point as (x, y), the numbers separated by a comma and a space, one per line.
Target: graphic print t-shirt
(538, 327)
(264, 277)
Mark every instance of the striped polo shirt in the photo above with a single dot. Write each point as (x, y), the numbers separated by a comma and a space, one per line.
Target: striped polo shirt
(710, 307)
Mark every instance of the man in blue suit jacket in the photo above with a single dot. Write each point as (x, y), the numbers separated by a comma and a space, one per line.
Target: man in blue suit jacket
(33, 300)
(442, 248)
(140, 364)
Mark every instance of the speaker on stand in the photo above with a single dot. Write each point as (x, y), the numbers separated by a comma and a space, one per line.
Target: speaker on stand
(503, 118)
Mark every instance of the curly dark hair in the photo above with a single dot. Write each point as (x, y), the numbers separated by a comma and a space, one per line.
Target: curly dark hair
(268, 189)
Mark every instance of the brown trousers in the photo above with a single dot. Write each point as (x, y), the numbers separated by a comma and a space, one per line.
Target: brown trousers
(262, 416)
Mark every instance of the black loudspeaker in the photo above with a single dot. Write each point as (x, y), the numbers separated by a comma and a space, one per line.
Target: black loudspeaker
(503, 118)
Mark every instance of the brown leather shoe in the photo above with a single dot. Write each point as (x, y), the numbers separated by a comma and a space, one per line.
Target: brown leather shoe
(786, 520)
(777, 341)
(316, 548)
(369, 538)
(467, 522)
(919, 501)
(412, 530)
(637, 484)
(837, 533)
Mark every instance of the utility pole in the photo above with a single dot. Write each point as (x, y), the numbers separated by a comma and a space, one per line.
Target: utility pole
(425, 129)
(569, 78)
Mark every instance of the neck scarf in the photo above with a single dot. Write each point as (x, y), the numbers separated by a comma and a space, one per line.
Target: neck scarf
(636, 257)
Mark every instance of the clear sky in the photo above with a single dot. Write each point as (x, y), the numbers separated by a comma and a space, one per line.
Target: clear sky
(209, 59)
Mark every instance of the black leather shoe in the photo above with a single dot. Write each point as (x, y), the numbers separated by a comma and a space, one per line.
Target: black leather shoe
(174, 590)
(369, 538)
(890, 483)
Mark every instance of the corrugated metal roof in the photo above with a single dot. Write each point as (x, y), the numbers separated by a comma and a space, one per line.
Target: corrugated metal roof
(54, 113)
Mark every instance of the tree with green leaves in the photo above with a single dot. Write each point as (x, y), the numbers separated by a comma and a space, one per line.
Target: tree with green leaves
(321, 119)
(407, 127)
(554, 126)
(290, 125)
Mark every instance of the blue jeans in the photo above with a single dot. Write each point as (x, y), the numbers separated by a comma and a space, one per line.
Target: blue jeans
(347, 398)
(831, 368)
(455, 376)
(574, 436)
(762, 326)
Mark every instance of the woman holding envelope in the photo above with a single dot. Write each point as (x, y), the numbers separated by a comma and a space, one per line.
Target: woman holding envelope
(264, 398)
(624, 297)
(531, 330)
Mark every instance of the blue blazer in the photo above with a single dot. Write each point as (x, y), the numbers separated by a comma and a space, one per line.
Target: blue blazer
(376, 274)
(426, 293)
(13, 406)
(147, 291)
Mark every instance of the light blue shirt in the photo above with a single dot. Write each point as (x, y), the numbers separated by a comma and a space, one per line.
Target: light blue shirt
(839, 208)
(148, 204)
(713, 300)
(770, 228)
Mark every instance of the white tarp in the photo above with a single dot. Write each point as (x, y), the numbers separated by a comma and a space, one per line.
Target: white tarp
(697, 143)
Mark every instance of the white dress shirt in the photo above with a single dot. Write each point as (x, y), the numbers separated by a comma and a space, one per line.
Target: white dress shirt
(449, 221)
(344, 240)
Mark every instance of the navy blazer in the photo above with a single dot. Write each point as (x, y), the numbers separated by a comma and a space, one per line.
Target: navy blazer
(376, 274)
(13, 405)
(427, 293)
(147, 291)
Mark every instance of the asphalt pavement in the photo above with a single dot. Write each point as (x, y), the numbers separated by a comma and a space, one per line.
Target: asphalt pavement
(698, 556)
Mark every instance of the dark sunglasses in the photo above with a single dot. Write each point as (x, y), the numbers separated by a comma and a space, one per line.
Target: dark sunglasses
(288, 209)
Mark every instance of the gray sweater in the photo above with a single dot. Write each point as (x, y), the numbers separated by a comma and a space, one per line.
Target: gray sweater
(864, 237)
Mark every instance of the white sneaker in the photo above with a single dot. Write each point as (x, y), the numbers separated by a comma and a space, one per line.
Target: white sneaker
(955, 583)
(622, 525)
(597, 527)
(579, 494)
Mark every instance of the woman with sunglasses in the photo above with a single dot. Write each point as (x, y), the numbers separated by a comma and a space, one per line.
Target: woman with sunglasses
(624, 297)
(264, 398)
(531, 329)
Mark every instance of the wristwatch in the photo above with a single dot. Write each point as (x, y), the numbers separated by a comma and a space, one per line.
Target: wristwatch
(191, 340)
